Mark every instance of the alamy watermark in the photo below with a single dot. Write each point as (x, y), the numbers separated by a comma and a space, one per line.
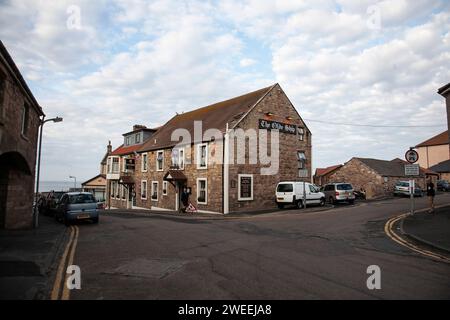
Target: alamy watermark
(374, 280)
(73, 21)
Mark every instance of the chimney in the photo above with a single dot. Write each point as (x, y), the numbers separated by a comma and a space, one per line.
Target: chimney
(109, 148)
(445, 92)
(138, 127)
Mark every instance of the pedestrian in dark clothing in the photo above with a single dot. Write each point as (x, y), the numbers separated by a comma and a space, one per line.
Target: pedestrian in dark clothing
(185, 198)
(430, 193)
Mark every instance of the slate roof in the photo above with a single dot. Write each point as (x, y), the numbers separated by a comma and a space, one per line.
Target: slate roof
(441, 167)
(214, 116)
(393, 168)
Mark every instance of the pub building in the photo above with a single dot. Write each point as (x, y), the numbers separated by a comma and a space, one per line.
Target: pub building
(221, 174)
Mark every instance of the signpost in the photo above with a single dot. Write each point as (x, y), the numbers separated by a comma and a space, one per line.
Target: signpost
(412, 170)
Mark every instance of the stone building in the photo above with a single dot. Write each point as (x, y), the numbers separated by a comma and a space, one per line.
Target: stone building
(322, 175)
(377, 177)
(97, 184)
(226, 154)
(20, 117)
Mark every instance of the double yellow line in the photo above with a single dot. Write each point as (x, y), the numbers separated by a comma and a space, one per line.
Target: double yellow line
(389, 230)
(60, 290)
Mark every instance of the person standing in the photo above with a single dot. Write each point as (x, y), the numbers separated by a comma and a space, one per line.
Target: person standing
(185, 198)
(430, 193)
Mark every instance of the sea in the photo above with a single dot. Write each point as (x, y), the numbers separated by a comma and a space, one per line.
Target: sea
(46, 186)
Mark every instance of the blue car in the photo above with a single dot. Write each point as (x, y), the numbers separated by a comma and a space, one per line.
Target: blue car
(76, 206)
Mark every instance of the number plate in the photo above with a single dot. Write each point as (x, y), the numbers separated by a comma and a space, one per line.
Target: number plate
(83, 216)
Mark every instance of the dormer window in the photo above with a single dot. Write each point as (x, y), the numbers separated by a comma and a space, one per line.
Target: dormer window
(138, 138)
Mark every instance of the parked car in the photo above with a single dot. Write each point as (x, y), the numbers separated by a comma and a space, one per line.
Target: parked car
(443, 185)
(75, 206)
(49, 202)
(292, 193)
(339, 192)
(401, 188)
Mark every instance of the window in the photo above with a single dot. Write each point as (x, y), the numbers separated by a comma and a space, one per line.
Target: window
(301, 133)
(138, 138)
(144, 162)
(114, 165)
(160, 161)
(164, 191)
(178, 158)
(25, 116)
(202, 156)
(122, 191)
(117, 189)
(202, 191)
(154, 190)
(301, 161)
(127, 141)
(245, 187)
(144, 189)
(112, 192)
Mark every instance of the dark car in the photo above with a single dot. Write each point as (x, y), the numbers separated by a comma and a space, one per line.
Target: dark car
(48, 204)
(443, 185)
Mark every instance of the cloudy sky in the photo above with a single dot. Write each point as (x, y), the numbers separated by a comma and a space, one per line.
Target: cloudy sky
(106, 65)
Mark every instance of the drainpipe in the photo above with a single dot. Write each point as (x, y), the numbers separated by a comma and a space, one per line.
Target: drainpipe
(226, 172)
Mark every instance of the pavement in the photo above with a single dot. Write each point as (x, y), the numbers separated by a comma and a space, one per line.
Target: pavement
(28, 259)
(432, 230)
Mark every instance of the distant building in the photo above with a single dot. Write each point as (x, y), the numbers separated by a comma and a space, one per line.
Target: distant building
(377, 177)
(443, 169)
(322, 175)
(434, 150)
(97, 184)
(20, 118)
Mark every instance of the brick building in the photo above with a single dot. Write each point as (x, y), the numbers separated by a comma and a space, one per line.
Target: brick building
(19, 125)
(229, 163)
(322, 175)
(377, 177)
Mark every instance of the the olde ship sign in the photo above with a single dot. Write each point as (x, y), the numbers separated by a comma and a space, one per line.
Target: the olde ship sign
(274, 125)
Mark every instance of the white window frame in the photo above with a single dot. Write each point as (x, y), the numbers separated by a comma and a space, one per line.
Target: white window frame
(239, 187)
(181, 158)
(112, 164)
(164, 188)
(144, 155)
(157, 187)
(199, 148)
(157, 162)
(146, 189)
(117, 195)
(206, 190)
(301, 133)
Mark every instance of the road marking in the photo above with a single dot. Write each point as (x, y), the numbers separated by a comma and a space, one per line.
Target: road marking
(61, 271)
(388, 229)
(66, 260)
(66, 291)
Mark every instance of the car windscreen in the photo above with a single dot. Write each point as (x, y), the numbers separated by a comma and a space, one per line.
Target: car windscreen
(345, 186)
(81, 198)
(286, 187)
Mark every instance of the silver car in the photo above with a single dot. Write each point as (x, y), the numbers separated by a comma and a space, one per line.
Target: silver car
(75, 206)
(339, 192)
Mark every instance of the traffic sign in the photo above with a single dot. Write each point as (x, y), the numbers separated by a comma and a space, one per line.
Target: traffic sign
(412, 156)
(412, 170)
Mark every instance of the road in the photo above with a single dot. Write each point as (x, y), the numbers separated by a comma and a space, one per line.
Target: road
(284, 255)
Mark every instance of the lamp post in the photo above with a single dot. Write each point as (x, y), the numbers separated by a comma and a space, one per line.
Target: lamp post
(75, 183)
(41, 125)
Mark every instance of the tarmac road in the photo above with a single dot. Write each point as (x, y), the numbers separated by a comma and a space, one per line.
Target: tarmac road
(284, 255)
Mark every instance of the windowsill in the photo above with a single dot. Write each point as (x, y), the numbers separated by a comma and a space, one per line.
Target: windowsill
(202, 168)
(245, 199)
(143, 198)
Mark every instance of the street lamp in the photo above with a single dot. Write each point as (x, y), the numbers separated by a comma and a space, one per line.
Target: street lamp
(75, 183)
(41, 125)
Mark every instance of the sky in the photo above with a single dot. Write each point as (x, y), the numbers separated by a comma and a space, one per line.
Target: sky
(106, 65)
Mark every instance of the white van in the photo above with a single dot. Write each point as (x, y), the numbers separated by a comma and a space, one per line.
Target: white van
(291, 192)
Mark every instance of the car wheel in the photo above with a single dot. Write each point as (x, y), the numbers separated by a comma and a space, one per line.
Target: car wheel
(322, 202)
(352, 202)
(280, 206)
(299, 204)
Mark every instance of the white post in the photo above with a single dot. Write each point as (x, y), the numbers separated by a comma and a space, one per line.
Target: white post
(226, 173)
